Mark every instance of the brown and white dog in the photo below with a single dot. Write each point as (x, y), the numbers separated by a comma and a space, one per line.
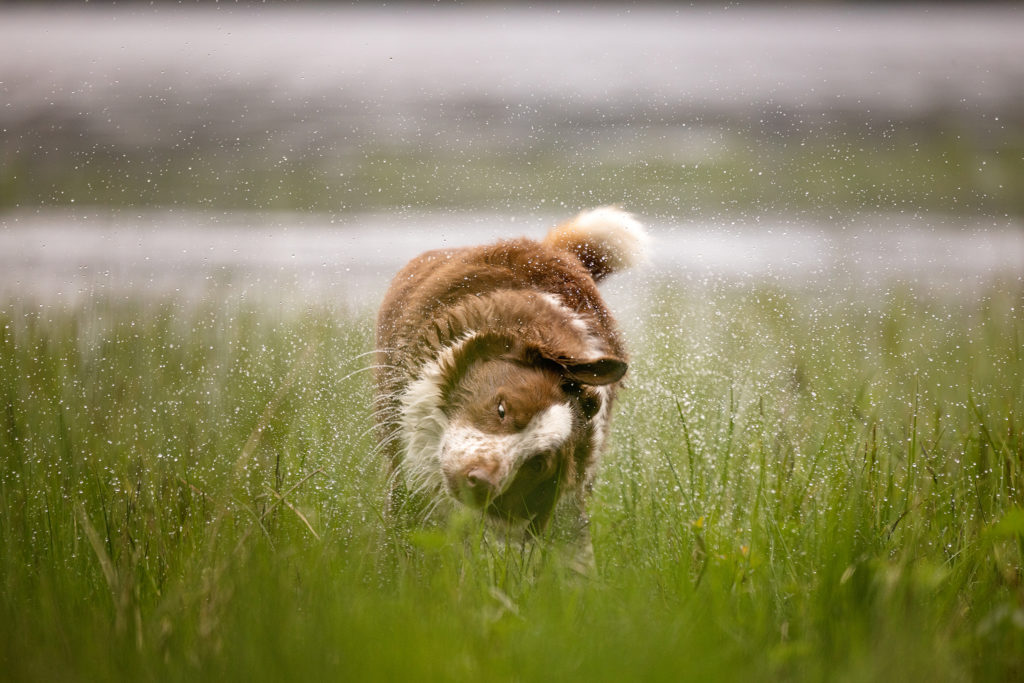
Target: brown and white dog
(497, 369)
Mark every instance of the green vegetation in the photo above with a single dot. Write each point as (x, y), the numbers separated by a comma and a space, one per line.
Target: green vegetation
(824, 486)
(674, 171)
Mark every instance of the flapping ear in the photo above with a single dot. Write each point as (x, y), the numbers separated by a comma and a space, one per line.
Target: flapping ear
(597, 372)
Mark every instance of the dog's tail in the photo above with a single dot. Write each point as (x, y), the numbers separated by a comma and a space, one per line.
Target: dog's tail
(606, 240)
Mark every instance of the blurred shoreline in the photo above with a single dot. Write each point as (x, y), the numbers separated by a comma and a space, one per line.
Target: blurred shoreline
(324, 108)
(303, 260)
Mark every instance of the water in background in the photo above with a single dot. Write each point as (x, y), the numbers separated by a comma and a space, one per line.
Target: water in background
(158, 86)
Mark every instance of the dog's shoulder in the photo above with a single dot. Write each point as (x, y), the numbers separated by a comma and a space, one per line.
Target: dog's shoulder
(431, 293)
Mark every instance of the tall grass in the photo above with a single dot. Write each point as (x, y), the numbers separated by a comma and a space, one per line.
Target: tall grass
(813, 486)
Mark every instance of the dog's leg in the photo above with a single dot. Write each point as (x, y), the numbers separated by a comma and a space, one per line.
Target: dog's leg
(571, 534)
(581, 549)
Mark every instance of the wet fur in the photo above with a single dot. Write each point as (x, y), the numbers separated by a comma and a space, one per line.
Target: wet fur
(498, 366)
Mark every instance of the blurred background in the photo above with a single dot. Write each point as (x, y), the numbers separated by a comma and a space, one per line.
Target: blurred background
(312, 148)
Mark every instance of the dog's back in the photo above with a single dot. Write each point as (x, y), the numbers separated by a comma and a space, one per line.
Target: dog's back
(519, 324)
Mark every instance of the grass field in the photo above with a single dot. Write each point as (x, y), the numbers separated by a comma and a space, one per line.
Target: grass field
(801, 486)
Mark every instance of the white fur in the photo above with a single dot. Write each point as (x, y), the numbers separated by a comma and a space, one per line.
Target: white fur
(623, 235)
(463, 445)
(424, 423)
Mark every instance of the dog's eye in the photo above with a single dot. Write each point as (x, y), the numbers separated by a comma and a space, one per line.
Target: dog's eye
(501, 410)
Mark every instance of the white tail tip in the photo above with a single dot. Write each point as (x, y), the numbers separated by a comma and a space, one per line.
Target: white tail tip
(606, 240)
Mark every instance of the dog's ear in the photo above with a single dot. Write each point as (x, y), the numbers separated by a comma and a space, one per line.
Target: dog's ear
(569, 353)
(595, 372)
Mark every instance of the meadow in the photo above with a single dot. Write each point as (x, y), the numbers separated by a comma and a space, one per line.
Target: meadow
(804, 483)
(814, 475)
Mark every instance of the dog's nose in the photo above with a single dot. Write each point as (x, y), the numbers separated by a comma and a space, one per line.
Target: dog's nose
(482, 480)
(477, 485)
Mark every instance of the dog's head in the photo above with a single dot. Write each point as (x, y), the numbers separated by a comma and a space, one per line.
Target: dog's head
(522, 422)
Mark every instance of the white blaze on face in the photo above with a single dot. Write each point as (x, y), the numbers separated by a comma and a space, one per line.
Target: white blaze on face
(463, 445)
(424, 423)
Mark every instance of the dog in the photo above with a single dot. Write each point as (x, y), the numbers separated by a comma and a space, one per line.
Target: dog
(497, 367)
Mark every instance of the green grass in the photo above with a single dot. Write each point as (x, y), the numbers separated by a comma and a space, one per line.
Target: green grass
(801, 486)
(703, 169)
